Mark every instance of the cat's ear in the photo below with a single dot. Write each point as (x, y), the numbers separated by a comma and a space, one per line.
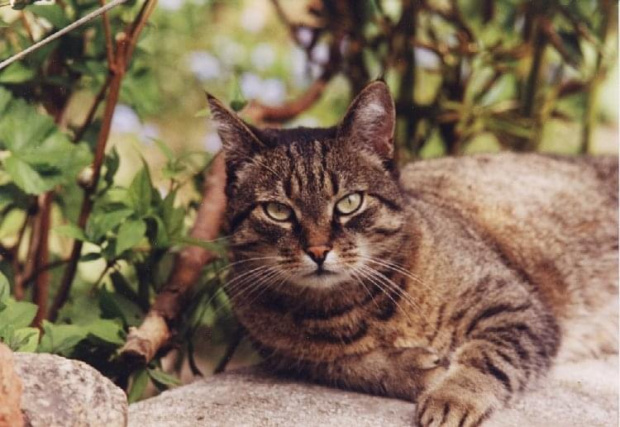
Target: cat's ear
(370, 120)
(239, 142)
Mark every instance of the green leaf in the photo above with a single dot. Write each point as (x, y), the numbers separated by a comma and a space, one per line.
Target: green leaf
(72, 231)
(91, 256)
(106, 330)
(166, 151)
(117, 306)
(25, 176)
(41, 157)
(5, 288)
(140, 381)
(103, 222)
(60, 339)
(16, 73)
(112, 163)
(205, 112)
(237, 105)
(163, 379)
(191, 241)
(18, 314)
(130, 234)
(5, 99)
(141, 192)
(26, 339)
(52, 13)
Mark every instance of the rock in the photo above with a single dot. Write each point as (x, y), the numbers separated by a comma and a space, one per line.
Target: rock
(574, 395)
(66, 393)
(10, 391)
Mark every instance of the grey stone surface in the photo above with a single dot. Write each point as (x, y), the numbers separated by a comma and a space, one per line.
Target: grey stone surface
(574, 395)
(59, 392)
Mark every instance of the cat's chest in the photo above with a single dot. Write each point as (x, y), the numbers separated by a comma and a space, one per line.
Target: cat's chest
(320, 336)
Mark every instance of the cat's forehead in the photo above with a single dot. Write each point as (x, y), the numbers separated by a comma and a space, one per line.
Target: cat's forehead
(305, 172)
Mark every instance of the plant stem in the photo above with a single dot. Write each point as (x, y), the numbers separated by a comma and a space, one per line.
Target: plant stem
(230, 351)
(41, 284)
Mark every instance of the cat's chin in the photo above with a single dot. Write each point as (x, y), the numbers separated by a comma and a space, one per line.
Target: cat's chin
(322, 281)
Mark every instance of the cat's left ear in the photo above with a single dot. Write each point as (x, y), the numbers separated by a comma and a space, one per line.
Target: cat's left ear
(370, 120)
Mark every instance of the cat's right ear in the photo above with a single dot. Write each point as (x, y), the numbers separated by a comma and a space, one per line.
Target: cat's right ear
(239, 143)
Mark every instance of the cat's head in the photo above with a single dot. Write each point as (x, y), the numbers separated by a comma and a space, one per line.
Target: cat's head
(314, 207)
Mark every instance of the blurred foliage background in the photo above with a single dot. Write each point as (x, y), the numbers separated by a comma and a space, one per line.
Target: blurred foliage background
(121, 175)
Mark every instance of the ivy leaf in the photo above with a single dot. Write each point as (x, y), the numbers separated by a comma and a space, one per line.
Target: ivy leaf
(130, 233)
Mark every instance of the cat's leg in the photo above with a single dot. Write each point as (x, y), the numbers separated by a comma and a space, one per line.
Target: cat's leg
(398, 372)
(504, 347)
(401, 373)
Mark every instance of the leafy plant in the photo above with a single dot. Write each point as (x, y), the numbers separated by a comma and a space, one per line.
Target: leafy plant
(91, 249)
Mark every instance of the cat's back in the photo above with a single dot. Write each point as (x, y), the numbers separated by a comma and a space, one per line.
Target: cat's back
(554, 218)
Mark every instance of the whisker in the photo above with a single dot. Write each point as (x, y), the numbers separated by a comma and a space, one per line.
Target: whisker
(366, 273)
(393, 286)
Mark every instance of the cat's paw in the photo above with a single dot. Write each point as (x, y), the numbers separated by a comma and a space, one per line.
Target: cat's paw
(419, 358)
(449, 405)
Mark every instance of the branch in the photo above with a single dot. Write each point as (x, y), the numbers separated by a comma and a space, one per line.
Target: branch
(93, 109)
(107, 31)
(144, 342)
(261, 113)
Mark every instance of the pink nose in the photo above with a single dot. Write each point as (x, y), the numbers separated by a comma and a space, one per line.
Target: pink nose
(318, 253)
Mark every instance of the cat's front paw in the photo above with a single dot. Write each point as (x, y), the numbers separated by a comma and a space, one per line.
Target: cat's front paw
(449, 405)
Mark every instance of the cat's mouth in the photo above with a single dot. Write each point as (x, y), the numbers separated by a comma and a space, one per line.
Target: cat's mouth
(320, 272)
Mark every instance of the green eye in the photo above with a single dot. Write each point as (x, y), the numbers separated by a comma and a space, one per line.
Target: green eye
(278, 211)
(349, 204)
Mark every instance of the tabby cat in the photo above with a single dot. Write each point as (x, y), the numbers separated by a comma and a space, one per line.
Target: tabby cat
(454, 283)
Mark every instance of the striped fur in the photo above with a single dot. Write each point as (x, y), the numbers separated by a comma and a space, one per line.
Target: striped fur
(455, 285)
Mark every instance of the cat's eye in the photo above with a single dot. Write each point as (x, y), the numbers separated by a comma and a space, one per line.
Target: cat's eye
(349, 204)
(278, 211)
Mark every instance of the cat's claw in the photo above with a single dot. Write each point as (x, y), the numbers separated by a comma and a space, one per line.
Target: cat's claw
(449, 405)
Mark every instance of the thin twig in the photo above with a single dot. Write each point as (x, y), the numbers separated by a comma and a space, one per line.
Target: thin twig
(230, 351)
(26, 24)
(93, 109)
(60, 33)
(107, 31)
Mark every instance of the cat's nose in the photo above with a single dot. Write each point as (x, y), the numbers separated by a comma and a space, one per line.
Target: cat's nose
(318, 253)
